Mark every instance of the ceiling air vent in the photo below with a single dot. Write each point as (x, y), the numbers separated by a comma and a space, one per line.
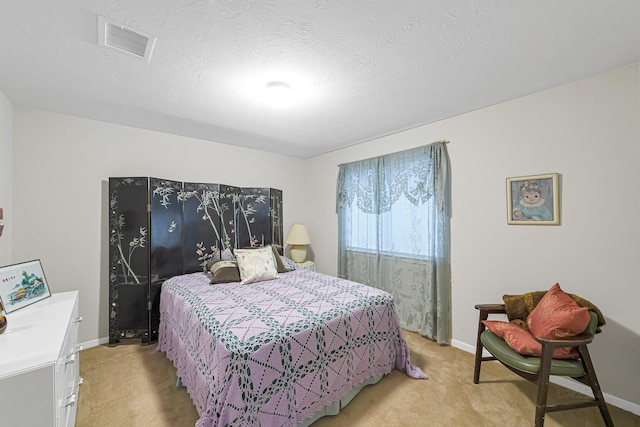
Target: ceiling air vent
(117, 36)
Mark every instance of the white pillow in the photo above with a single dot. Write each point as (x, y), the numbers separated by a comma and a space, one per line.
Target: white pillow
(256, 265)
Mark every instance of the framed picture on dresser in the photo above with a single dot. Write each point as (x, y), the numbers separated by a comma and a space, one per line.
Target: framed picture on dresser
(22, 284)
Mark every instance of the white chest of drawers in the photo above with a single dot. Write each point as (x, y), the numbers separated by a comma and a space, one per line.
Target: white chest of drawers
(39, 364)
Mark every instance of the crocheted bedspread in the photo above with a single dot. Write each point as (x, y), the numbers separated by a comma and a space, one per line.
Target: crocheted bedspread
(273, 353)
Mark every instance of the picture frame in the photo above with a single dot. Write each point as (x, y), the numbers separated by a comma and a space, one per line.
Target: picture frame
(22, 284)
(533, 200)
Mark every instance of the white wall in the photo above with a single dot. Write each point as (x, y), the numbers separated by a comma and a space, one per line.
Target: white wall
(61, 170)
(6, 177)
(588, 131)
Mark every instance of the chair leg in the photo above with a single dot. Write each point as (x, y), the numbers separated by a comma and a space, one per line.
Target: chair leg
(595, 385)
(476, 371)
(543, 384)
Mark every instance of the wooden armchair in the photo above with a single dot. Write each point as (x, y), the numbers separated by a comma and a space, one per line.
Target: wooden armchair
(538, 369)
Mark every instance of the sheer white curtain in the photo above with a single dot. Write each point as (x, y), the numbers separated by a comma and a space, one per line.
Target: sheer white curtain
(393, 227)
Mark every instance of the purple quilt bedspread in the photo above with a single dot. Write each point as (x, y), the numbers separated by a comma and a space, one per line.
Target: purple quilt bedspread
(272, 353)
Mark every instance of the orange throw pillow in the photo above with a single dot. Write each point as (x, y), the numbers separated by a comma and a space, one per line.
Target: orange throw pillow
(499, 327)
(524, 343)
(557, 315)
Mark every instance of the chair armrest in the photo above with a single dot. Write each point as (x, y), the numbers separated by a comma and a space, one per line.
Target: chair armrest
(491, 308)
(574, 341)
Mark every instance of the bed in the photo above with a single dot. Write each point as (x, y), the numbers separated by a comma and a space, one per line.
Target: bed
(281, 352)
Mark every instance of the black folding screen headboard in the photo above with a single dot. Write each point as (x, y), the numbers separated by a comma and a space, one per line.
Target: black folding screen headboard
(161, 228)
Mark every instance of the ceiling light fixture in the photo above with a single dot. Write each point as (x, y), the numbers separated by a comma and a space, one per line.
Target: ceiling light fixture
(279, 93)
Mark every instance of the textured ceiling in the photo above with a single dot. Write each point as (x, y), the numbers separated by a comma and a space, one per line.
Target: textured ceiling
(359, 69)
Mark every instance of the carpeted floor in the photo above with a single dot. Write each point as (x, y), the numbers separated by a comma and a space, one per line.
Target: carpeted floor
(134, 385)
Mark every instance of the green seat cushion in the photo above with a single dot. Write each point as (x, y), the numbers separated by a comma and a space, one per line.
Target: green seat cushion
(501, 350)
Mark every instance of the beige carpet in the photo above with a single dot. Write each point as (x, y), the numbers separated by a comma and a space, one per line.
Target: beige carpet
(134, 385)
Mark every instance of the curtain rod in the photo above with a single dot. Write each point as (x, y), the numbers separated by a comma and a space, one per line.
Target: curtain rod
(444, 141)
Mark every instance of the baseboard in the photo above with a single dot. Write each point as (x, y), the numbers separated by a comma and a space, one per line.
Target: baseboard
(609, 398)
(463, 346)
(568, 383)
(94, 343)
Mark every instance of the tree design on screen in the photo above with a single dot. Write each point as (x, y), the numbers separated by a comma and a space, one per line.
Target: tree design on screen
(118, 225)
(164, 192)
(247, 208)
(275, 212)
(212, 210)
(213, 205)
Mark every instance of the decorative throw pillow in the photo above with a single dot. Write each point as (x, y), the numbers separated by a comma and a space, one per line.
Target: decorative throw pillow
(227, 255)
(289, 264)
(558, 315)
(499, 327)
(256, 264)
(208, 263)
(525, 343)
(279, 264)
(225, 272)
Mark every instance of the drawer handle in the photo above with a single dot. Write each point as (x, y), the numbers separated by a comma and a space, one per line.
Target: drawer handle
(71, 400)
(78, 319)
(71, 359)
(73, 353)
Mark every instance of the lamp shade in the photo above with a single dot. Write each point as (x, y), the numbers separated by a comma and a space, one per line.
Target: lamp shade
(298, 235)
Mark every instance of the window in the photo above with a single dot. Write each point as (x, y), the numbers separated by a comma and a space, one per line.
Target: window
(393, 226)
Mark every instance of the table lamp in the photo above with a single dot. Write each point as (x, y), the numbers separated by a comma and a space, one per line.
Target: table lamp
(298, 238)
